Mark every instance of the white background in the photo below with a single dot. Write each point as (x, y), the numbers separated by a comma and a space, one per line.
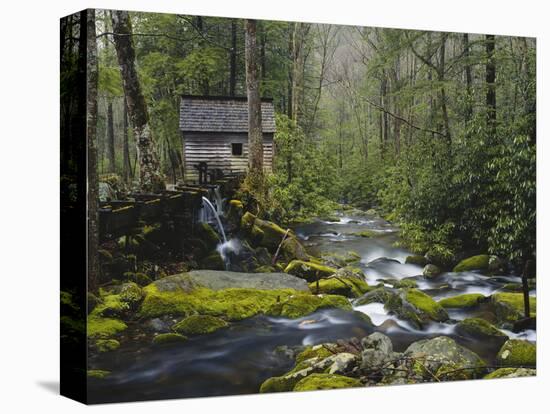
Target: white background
(29, 218)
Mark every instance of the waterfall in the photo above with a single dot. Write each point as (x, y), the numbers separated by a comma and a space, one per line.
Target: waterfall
(218, 201)
(216, 215)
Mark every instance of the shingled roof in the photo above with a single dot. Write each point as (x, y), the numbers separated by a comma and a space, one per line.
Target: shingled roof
(221, 114)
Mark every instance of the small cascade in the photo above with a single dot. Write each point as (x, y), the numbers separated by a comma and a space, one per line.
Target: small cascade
(218, 201)
(208, 203)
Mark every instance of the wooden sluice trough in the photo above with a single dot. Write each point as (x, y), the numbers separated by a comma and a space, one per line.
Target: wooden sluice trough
(123, 217)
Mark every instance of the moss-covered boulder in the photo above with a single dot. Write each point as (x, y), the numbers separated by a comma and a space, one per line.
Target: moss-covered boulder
(208, 235)
(326, 382)
(286, 382)
(168, 338)
(98, 373)
(232, 304)
(316, 351)
(509, 307)
(431, 271)
(330, 218)
(517, 353)
(480, 328)
(309, 271)
(376, 295)
(235, 212)
(511, 373)
(297, 306)
(443, 359)
(106, 345)
(140, 278)
(131, 293)
(467, 300)
(416, 259)
(367, 234)
(99, 327)
(111, 305)
(199, 325)
(416, 307)
(474, 263)
(350, 287)
(212, 261)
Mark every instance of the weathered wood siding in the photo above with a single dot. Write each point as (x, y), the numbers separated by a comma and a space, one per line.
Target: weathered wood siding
(215, 149)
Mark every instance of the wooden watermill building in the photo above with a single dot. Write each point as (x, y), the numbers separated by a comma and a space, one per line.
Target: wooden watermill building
(215, 131)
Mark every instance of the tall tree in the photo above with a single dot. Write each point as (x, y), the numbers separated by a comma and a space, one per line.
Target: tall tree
(233, 58)
(490, 77)
(126, 165)
(110, 137)
(300, 33)
(150, 176)
(88, 16)
(255, 138)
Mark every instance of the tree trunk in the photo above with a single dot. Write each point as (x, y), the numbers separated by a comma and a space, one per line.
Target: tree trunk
(255, 138)
(91, 139)
(233, 58)
(468, 76)
(298, 39)
(490, 77)
(126, 166)
(110, 137)
(442, 94)
(150, 176)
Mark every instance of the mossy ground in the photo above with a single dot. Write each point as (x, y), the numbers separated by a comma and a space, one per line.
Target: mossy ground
(99, 327)
(326, 382)
(467, 300)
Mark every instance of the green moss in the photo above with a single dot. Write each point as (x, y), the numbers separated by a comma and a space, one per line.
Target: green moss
(99, 327)
(509, 307)
(131, 293)
(208, 235)
(326, 382)
(106, 345)
(168, 338)
(511, 373)
(329, 218)
(367, 233)
(317, 351)
(308, 270)
(213, 261)
(247, 221)
(302, 304)
(111, 305)
(478, 327)
(426, 304)
(467, 300)
(479, 262)
(98, 373)
(517, 353)
(401, 283)
(140, 278)
(232, 304)
(265, 269)
(350, 287)
(199, 325)
(416, 260)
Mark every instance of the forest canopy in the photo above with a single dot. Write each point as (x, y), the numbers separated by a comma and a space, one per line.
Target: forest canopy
(435, 129)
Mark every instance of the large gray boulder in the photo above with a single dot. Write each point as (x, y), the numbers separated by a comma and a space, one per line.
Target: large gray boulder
(221, 279)
(444, 359)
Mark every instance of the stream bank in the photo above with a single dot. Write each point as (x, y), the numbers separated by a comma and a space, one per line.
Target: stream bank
(264, 332)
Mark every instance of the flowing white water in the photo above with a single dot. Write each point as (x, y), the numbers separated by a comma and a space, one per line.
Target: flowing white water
(216, 215)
